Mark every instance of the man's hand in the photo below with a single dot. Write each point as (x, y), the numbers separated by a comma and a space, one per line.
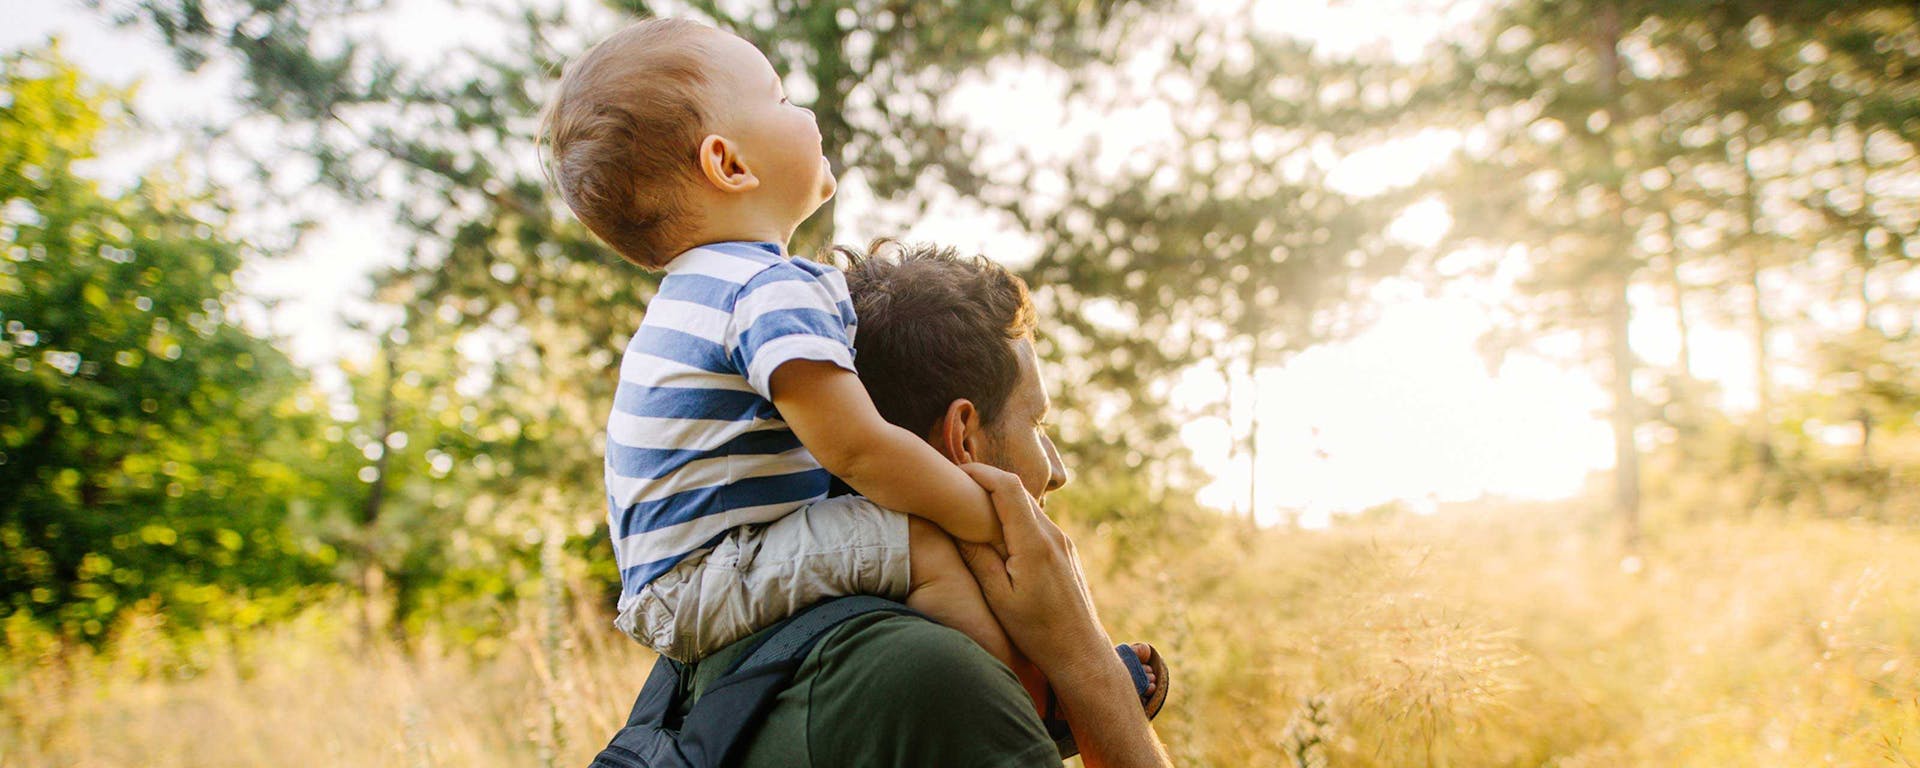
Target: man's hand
(1036, 589)
(1039, 595)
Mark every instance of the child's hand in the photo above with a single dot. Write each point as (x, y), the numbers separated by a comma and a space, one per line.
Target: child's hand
(828, 409)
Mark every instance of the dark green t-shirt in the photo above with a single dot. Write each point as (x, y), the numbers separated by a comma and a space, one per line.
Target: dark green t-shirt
(891, 690)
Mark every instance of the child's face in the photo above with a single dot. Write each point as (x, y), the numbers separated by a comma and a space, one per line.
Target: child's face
(778, 140)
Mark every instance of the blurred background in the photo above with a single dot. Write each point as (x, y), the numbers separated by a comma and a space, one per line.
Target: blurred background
(1444, 383)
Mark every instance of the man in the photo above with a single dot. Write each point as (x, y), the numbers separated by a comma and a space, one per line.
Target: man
(945, 350)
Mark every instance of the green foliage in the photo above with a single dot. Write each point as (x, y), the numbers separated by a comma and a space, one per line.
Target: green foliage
(146, 442)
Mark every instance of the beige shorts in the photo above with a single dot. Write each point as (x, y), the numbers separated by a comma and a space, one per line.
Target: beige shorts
(760, 574)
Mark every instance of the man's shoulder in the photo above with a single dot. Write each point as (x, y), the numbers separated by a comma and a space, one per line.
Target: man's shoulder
(875, 648)
(901, 690)
(880, 647)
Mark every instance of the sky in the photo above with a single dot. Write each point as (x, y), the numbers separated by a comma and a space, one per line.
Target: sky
(1408, 410)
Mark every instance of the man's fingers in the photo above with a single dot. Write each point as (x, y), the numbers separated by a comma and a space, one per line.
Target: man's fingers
(1010, 499)
(989, 568)
(992, 478)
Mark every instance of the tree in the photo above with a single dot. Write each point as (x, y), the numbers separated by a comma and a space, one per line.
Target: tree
(1856, 85)
(143, 435)
(1223, 244)
(879, 73)
(1864, 80)
(1690, 133)
(1571, 130)
(1768, 115)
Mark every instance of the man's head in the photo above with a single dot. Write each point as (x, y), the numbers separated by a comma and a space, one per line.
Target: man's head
(669, 129)
(945, 349)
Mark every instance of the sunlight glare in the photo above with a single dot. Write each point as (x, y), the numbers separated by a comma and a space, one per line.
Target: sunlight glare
(1408, 411)
(1422, 224)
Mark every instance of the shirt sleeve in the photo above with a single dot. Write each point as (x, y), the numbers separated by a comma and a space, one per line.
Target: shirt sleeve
(782, 314)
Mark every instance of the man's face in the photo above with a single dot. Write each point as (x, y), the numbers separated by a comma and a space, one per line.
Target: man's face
(1017, 440)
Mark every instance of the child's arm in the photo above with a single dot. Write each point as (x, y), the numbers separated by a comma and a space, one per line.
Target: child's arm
(830, 412)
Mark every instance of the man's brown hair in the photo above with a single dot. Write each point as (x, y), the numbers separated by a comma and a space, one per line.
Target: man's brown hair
(935, 326)
(624, 128)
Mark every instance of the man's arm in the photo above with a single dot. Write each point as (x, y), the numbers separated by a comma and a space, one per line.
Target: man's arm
(1040, 596)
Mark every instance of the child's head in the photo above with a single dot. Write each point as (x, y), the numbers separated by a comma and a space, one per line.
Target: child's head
(670, 134)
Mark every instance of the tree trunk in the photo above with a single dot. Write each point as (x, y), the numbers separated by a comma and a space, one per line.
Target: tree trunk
(1619, 312)
(372, 574)
(1868, 331)
(1626, 453)
(1762, 426)
(1863, 255)
(1253, 433)
(1679, 288)
(1235, 444)
(833, 77)
(1681, 405)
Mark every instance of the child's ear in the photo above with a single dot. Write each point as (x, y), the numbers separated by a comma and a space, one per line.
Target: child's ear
(720, 163)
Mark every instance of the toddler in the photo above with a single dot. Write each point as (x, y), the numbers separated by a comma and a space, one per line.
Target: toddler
(737, 404)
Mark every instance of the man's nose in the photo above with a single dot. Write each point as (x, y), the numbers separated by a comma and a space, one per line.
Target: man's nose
(1056, 469)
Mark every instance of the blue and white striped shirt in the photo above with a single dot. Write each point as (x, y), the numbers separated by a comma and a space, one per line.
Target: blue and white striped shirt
(694, 444)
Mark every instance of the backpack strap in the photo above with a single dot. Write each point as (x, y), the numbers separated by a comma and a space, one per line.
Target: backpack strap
(729, 710)
(647, 739)
(793, 641)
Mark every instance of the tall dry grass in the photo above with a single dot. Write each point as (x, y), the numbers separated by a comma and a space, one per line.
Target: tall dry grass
(1488, 637)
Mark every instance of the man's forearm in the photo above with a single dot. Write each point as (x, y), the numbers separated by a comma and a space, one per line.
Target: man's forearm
(1049, 616)
(1108, 725)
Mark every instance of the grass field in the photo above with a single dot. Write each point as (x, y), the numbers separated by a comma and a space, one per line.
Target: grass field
(1492, 636)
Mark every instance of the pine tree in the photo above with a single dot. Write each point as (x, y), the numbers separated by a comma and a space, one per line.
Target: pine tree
(1568, 128)
(1223, 245)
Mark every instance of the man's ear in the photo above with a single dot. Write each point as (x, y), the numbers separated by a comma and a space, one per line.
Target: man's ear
(720, 163)
(958, 435)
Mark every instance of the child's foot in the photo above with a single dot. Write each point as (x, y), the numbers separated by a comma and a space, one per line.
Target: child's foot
(1150, 681)
(1144, 652)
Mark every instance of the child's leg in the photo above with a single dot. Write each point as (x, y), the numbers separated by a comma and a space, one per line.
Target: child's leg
(943, 587)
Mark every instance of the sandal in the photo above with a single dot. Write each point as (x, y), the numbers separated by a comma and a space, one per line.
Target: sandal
(1150, 700)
